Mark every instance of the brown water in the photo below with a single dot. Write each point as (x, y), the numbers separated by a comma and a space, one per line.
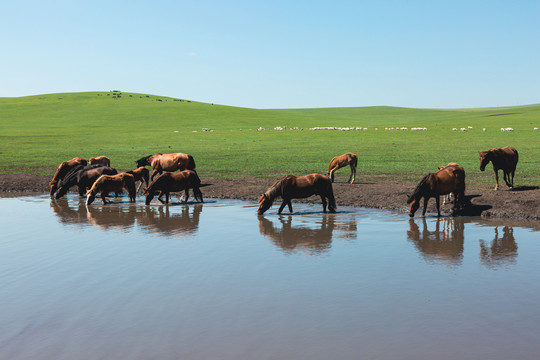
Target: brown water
(215, 281)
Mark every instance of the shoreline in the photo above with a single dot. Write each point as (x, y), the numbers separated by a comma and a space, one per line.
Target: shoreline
(377, 193)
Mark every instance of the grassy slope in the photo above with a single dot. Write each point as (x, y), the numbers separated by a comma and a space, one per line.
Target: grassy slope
(38, 132)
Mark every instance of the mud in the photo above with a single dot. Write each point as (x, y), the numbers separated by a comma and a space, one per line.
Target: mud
(378, 192)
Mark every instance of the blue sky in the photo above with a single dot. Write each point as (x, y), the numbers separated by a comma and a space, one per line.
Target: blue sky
(278, 54)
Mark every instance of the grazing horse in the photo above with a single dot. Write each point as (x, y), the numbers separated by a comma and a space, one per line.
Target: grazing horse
(63, 169)
(140, 174)
(448, 179)
(504, 159)
(174, 182)
(103, 160)
(342, 161)
(111, 183)
(84, 177)
(167, 162)
(298, 187)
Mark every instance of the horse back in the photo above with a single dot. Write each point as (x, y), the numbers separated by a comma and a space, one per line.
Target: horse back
(447, 180)
(305, 186)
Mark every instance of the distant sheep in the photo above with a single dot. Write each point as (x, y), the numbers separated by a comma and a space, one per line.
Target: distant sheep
(507, 129)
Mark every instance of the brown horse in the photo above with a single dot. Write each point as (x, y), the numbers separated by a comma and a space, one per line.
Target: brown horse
(342, 161)
(504, 159)
(298, 187)
(448, 179)
(106, 184)
(448, 197)
(140, 174)
(63, 169)
(103, 160)
(174, 182)
(167, 162)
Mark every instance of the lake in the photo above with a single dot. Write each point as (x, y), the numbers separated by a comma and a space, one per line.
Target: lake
(216, 281)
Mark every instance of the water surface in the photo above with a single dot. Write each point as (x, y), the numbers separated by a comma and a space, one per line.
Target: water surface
(216, 281)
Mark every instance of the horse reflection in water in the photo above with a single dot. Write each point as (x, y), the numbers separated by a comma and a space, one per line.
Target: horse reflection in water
(503, 251)
(172, 220)
(163, 221)
(444, 245)
(313, 241)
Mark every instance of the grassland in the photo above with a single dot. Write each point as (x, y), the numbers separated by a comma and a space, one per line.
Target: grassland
(38, 132)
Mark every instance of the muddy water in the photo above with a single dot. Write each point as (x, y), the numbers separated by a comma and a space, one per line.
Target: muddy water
(214, 281)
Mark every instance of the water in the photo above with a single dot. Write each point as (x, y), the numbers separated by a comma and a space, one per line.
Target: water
(215, 281)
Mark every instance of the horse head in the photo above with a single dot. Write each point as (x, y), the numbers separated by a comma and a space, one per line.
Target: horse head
(414, 204)
(485, 158)
(53, 186)
(90, 196)
(264, 204)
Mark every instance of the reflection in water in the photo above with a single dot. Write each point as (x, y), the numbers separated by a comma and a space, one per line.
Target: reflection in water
(503, 251)
(444, 244)
(313, 241)
(166, 220)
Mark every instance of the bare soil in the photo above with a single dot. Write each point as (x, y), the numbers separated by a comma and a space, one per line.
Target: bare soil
(379, 193)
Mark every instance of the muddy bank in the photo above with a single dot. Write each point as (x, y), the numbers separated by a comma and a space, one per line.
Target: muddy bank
(380, 193)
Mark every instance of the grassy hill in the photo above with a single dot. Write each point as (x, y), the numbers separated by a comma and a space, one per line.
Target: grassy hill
(38, 132)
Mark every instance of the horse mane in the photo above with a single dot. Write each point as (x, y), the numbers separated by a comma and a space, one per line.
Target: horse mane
(145, 158)
(420, 188)
(276, 189)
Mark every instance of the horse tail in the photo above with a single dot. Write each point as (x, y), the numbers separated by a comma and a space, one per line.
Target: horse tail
(354, 161)
(191, 163)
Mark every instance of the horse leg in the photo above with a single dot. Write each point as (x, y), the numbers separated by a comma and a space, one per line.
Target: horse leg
(282, 206)
(198, 194)
(353, 174)
(332, 173)
(323, 199)
(425, 205)
(438, 203)
(156, 171)
(496, 179)
(104, 197)
(290, 206)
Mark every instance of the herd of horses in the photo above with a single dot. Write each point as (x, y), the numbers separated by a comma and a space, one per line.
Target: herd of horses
(97, 177)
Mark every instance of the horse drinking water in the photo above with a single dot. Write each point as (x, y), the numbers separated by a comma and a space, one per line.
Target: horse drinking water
(450, 179)
(106, 184)
(167, 162)
(342, 161)
(504, 159)
(63, 169)
(298, 187)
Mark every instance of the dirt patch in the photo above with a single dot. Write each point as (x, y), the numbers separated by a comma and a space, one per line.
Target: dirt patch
(379, 193)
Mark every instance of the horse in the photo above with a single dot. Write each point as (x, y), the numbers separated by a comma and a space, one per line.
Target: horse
(111, 183)
(140, 174)
(504, 159)
(103, 160)
(298, 187)
(448, 197)
(342, 161)
(174, 182)
(448, 179)
(63, 169)
(167, 162)
(84, 177)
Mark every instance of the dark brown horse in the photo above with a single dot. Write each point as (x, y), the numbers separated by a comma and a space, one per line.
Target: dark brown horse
(167, 162)
(84, 178)
(342, 161)
(450, 179)
(140, 174)
(504, 159)
(106, 184)
(63, 169)
(298, 187)
(174, 182)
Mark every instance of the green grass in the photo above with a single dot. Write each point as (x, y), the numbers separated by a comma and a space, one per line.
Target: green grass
(38, 132)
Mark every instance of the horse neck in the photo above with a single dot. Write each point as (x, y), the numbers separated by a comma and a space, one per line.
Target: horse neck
(274, 191)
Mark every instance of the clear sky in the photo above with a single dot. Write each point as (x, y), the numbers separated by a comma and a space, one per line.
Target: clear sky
(278, 54)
